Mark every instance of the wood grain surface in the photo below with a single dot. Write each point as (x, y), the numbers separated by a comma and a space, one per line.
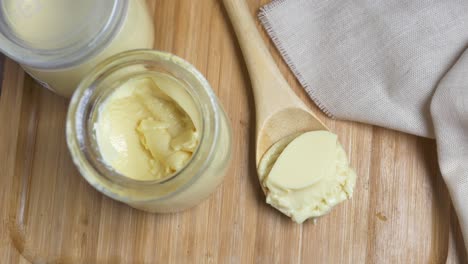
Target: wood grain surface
(400, 213)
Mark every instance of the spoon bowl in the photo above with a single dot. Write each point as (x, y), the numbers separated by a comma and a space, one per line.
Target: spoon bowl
(283, 123)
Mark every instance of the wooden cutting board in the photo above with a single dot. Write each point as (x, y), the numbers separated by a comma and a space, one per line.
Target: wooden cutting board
(401, 211)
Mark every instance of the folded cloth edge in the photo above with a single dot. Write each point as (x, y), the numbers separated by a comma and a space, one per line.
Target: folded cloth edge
(263, 16)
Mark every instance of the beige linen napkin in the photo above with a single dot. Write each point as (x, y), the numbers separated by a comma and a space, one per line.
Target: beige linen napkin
(387, 63)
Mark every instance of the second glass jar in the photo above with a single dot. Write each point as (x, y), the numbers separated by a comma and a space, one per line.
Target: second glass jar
(59, 41)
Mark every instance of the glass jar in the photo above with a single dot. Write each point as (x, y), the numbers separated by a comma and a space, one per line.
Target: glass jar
(59, 41)
(187, 187)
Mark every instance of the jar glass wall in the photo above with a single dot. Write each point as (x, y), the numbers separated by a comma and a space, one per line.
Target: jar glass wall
(188, 186)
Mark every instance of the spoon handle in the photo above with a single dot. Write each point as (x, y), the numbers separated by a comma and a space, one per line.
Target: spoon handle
(271, 90)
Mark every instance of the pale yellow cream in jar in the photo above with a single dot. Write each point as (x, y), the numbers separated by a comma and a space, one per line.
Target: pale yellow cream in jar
(142, 132)
(145, 128)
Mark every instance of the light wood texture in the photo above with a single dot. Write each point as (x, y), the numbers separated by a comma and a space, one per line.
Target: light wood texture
(279, 111)
(401, 211)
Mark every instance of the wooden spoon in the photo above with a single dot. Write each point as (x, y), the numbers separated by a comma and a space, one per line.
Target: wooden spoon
(279, 111)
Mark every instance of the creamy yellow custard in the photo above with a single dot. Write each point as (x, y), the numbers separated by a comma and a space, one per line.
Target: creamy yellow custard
(305, 176)
(145, 134)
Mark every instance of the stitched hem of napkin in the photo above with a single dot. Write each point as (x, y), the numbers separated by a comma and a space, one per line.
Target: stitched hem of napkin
(263, 16)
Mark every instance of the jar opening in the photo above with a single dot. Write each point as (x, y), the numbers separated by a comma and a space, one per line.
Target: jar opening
(127, 73)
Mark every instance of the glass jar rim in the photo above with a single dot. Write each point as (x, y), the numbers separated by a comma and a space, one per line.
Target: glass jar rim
(86, 168)
(67, 56)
